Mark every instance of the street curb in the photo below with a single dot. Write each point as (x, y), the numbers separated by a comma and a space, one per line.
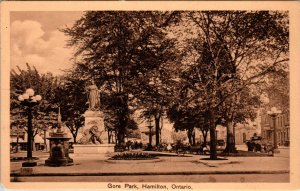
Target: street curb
(151, 173)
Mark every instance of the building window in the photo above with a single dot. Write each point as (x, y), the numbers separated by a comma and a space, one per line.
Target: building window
(285, 135)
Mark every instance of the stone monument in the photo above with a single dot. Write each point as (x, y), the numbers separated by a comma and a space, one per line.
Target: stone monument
(59, 147)
(95, 138)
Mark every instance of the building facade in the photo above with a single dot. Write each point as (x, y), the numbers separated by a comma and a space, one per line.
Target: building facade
(244, 132)
(282, 123)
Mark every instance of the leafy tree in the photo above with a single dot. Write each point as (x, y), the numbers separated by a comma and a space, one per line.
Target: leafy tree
(278, 89)
(232, 51)
(44, 85)
(17, 124)
(112, 106)
(71, 97)
(204, 128)
(178, 137)
(117, 46)
(184, 120)
(238, 109)
(153, 99)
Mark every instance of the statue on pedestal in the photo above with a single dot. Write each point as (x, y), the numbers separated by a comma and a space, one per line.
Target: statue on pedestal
(94, 124)
(94, 136)
(93, 97)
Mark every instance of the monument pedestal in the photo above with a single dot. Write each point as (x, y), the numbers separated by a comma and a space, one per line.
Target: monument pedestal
(93, 120)
(95, 137)
(59, 150)
(90, 150)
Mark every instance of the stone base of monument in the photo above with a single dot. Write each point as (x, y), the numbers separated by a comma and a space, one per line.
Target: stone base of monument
(91, 150)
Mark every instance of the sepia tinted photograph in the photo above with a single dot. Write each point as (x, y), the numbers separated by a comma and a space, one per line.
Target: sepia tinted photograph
(149, 99)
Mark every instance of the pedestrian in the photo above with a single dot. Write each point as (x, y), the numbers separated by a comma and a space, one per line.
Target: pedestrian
(169, 147)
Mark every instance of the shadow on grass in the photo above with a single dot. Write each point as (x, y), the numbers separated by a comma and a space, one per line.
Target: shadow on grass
(214, 159)
(240, 153)
(18, 159)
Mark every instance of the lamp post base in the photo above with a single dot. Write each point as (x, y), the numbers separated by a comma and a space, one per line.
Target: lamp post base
(29, 163)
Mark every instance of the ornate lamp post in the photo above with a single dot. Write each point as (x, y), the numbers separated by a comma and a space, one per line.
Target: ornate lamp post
(29, 100)
(150, 132)
(274, 113)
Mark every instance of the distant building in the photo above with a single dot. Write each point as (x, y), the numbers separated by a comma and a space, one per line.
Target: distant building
(20, 140)
(165, 135)
(17, 138)
(221, 134)
(244, 132)
(282, 126)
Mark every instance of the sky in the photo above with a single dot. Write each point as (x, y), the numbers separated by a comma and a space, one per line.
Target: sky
(36, 40)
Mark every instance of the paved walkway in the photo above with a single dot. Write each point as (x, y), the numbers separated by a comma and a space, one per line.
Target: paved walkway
(164, 165)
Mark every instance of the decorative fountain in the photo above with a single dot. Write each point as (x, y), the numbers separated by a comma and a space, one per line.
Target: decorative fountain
(59, 147)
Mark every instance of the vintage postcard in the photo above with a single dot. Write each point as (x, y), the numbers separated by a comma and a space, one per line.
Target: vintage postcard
(150, 95)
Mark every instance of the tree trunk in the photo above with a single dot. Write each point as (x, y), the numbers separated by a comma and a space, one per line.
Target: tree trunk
(122, 130)
(204, 133)
(33, 145)
(157, 129)
(204, 138)
(234, 134)
(108, 135)
(194, 138)
(116, 137)
(212, 131)
(121, 136)
(191, 136)
(123, 119)
(74, 137)
(230, 144)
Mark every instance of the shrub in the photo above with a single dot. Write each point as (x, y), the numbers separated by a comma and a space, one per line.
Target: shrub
(133, 156)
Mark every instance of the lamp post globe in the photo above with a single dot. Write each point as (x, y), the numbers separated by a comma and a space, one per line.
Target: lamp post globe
(29, 101)
(38, 98)
(20, 98)
(25, 96)
(30, 92)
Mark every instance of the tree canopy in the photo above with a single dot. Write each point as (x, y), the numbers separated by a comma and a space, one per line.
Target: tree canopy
(189, 65)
